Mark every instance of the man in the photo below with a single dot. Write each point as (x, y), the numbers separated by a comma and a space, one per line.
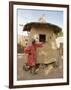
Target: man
(31, 51)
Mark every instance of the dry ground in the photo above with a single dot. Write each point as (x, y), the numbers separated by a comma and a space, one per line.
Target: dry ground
(49, 72)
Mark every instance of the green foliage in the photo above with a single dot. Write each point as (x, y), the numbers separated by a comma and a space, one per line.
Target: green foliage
(60, 34)
(20, 48)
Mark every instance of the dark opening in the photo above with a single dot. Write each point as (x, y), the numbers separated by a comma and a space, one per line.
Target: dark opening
(42, 38)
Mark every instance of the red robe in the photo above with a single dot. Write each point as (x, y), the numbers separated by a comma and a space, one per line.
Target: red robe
(31, 51)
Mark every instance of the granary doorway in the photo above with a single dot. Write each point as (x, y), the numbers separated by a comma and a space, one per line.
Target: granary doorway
(42, 37)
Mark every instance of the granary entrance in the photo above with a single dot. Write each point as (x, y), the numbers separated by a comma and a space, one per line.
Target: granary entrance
(42, 37)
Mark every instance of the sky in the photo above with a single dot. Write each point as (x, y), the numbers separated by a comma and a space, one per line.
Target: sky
(29, 15)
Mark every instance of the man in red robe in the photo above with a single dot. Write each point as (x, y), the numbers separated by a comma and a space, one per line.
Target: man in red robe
(31, 51)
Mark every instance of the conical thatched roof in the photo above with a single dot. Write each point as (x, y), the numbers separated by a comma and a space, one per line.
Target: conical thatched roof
(36, 25)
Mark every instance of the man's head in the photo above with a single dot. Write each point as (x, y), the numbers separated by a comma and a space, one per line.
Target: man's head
(33, 41)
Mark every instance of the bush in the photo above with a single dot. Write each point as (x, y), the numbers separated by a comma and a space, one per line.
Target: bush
(20, 48)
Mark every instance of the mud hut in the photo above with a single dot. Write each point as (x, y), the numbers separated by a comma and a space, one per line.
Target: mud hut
(44, 32)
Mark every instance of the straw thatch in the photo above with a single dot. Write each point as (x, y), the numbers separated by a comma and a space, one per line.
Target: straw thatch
(36, 25)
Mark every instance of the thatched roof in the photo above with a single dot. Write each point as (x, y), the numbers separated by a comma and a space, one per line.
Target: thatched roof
(36, 25)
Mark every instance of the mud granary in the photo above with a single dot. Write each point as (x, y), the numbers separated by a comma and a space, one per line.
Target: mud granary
(44, 32)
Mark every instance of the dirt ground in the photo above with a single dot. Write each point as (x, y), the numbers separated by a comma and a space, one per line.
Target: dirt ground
(48, 72)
